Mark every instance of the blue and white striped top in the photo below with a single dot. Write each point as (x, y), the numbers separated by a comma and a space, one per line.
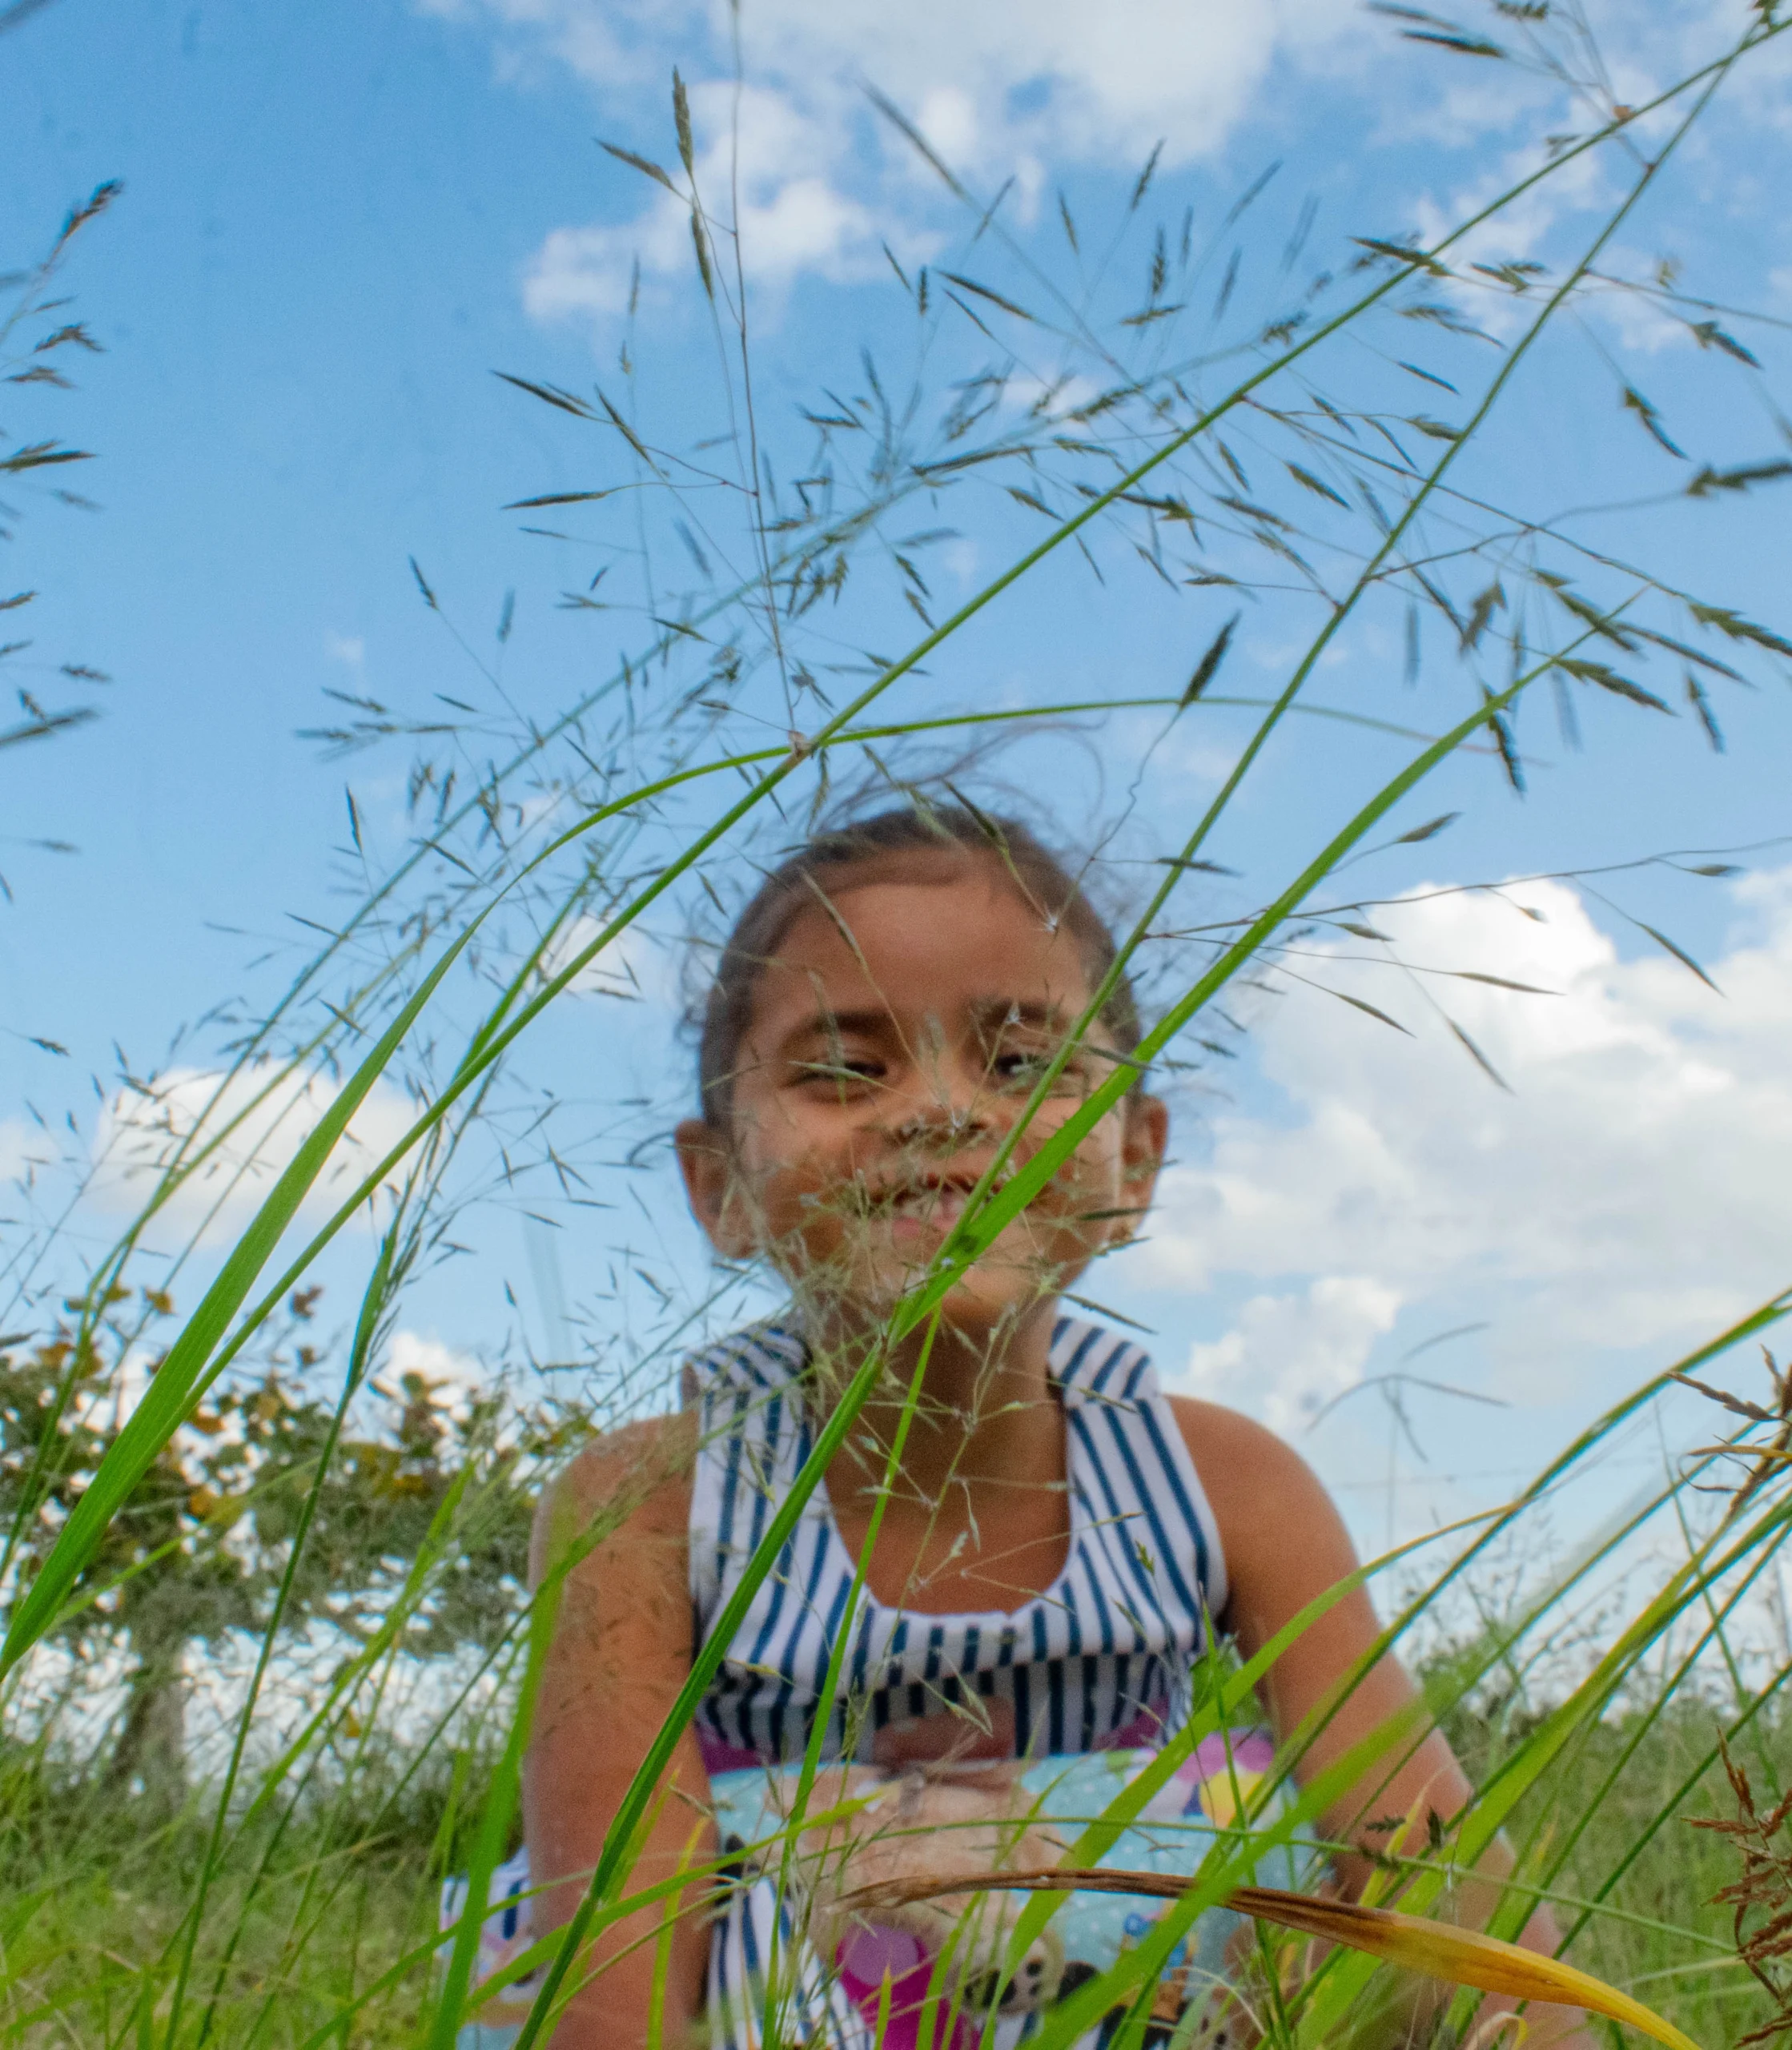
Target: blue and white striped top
(1101, 1659)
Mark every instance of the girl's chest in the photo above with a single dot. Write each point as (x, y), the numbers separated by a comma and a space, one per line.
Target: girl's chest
(982, 1550)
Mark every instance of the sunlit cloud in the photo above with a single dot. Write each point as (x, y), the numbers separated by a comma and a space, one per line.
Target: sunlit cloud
(233, 1134)
(1631, 1189)
(636, 966)
(818, 183)
(1287, 1355)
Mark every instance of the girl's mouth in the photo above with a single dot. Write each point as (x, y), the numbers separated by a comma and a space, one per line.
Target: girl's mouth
(925, 1212)
(922, 1212)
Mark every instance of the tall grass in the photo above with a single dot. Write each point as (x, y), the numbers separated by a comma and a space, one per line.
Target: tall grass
(369, 1739)
(39, 339)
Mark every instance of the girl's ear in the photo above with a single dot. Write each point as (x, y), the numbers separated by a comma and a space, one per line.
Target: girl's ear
(706, 1162)
(1146, 1134)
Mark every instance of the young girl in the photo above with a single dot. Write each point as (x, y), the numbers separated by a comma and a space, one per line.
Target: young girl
(1060, 1538)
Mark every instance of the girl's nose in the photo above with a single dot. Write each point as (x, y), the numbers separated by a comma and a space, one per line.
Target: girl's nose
(948, 1107)
(941, 1128)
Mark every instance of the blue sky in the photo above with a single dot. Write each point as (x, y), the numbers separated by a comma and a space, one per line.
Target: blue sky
(337, 222)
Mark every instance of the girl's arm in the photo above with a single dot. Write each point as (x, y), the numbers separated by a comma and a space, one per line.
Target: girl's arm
(621, 1649)
(1284, 1545)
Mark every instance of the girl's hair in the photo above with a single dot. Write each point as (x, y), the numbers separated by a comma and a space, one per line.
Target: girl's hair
(803, 879)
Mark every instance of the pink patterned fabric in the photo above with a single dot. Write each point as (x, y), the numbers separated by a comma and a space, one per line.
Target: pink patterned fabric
(721, 1756)
(864, 1960)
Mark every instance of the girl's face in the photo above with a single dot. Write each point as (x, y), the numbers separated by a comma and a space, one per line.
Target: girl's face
(891, 1047)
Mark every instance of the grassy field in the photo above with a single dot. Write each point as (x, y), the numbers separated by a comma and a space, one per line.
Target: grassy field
(334, 1915)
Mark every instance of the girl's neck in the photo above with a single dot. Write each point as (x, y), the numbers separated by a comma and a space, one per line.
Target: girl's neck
(987, 1411)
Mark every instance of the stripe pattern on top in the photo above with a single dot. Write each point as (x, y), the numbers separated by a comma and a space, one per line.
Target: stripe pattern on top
(1101, 1658)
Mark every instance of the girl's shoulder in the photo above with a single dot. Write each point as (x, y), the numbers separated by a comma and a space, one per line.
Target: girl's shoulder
(640, 1478)
(635, 1479)
(1265, 1498)
(1225, 1434)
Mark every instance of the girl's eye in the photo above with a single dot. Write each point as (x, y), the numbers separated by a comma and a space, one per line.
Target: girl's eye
(849, 1072)
(1020, 1067)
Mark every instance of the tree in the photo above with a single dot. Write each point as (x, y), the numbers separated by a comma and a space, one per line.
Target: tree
(201, 1549)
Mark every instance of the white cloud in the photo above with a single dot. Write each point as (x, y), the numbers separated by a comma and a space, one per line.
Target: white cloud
(454, 1376)
(24, 1149)
(1027, 97)
(822, 182)
(414, 1353)
(1642, 50)
(1287, 1355)
(1523, 232)
(1634, 1190)
(1026, 392)
(262, 1116)
(350, 649)
(1096, 86)
(792, 216)
(1763, 91)
(1641, 325)
(635, 964)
